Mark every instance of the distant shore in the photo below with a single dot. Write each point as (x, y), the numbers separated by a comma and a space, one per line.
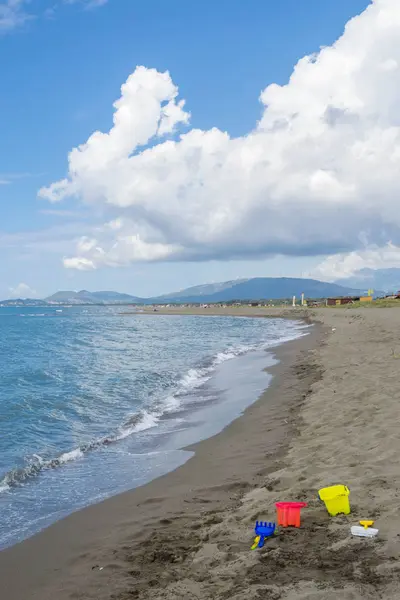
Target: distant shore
(280, 312)
(330, 416)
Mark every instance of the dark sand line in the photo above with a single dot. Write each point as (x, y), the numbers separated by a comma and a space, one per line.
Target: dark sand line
(277, 312)
(134, 535)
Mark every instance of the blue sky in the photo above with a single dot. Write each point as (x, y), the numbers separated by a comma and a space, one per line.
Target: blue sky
(61, 70)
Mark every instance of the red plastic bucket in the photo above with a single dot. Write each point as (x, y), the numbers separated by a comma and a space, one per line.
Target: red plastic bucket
(288, 513)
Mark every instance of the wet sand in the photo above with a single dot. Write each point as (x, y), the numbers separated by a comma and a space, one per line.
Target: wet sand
(330, 416)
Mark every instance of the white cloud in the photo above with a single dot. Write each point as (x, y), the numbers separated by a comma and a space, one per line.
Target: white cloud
(95, 3)
(11, 177)
(88, 3)
(38, 245)
(123, 250)
(343, 266)
(13, 14)
(22, 290)
(80, 264)
(61, 213)
(321, 167)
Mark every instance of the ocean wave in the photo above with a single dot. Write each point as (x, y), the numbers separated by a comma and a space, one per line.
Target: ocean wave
(141, 422)
(36, 314)
(36, 464)
(147, 418)
(197, 377)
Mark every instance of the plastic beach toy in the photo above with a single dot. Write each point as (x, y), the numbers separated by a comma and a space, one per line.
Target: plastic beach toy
(262, 530)
(367, 524)
(364, 531)
(289, 513)
(256, 542)
(336, 499)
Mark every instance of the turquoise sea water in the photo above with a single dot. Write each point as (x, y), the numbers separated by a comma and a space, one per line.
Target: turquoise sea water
(93, 403)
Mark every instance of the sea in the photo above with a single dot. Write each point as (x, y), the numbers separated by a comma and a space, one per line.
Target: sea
(94, 402)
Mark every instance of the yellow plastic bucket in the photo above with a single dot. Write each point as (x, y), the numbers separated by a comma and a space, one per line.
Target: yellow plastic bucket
(336, 499)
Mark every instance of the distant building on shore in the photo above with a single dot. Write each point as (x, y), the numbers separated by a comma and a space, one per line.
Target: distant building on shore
(341, 301)
(349, 300)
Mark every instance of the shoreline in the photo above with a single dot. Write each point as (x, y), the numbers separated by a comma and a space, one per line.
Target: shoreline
(47, 557)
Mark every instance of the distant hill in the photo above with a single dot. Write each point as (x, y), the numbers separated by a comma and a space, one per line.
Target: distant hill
(200, 291)
(269, 288)
(115, 297)
(23, 302)
(387, 280)
(85, 297)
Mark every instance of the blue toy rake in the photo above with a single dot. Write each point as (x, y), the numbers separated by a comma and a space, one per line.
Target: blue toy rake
(263, 530)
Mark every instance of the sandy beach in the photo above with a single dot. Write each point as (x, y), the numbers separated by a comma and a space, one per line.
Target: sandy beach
(330, 416)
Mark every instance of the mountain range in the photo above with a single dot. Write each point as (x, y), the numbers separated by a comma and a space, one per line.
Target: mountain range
(256, 288)
(269, 288)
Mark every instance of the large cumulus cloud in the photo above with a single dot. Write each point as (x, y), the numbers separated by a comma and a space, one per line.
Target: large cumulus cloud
(318, 174)
(344, 266)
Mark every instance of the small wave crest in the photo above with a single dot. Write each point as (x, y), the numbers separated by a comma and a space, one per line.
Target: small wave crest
(140, 422)
(36, 464)
(196, 377)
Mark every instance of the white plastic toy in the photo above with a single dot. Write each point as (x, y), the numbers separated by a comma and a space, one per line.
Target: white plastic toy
(364, 529)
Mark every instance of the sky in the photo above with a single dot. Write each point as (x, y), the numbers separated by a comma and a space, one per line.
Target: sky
(148, 146)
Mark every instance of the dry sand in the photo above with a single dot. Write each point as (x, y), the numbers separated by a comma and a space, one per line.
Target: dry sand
(330, 416)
